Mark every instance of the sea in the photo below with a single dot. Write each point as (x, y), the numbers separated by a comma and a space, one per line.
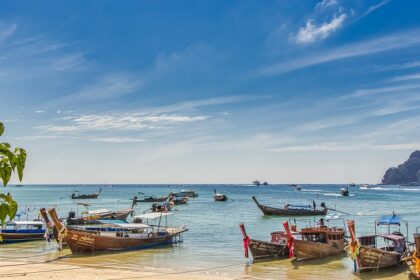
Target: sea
(213, 244)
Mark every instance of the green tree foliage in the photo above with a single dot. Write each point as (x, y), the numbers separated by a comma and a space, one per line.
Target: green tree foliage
(11, 161)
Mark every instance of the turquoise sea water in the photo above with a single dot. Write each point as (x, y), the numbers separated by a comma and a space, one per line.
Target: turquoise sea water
(213, 244)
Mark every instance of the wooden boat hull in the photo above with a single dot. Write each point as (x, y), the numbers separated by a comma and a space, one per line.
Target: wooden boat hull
(370, 259)
(21, 237)
(220, 198)
(305, 250)
(267, 210)
(411, 264)
(87, 196)
(151, 199)
(118, 215)
(81, 242)
(263, 249)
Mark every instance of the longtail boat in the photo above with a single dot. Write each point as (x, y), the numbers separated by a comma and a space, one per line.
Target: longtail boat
(150, 199)
(162, 207)
(76, 195)
(47, 220)
(20, 231)
(292, 210)
(219, 196)
(368, 255)
(316, 242)
(127, 236)
(276, 248)
(89, 217)
(413, 259)
(186, 193)
(344, 191)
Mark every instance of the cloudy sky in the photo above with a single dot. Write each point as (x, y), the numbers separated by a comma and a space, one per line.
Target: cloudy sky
(210, 91)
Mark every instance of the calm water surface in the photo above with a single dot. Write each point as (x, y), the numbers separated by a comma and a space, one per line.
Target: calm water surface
(214, 242)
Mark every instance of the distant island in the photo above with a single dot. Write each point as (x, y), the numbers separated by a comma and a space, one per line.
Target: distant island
(405, 173)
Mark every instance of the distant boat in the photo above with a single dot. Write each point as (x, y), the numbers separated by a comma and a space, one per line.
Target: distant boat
(219, 196)
(186, 193)
(298, 188)
(18, 186)
(344, 191)
(149, 198)
(76, 195)
(92, 216)
(265, 184)
(365, 186)
(178, 200)
(19, 231)
(256, 183)
(276, 248)
(292, 210)
(411, 184)
(352, 184)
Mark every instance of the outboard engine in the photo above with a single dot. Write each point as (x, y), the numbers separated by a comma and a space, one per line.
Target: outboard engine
(72, 216)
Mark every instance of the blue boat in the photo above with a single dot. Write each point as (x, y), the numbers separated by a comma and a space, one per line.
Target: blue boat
(20, 231)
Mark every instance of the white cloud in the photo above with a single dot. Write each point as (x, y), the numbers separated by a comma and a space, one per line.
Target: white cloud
(325, 3)
(7, 31)
(39, 111)
(386, 43)
(415, 76)
(345, 146)
(123, 121)
(107, 87)
(311, 33)
(116, 139)
(375, 7)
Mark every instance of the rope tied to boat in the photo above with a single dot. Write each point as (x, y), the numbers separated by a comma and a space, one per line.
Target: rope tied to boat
(246, 245)
(62, 234)
(416, 261)
(353, 249)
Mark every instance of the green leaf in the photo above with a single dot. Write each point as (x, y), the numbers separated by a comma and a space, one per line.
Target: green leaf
(20, 161)
(1, 128)
(4, 212)
(5, 171)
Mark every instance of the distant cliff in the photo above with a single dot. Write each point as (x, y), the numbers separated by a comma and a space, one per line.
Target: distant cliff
(405, 173)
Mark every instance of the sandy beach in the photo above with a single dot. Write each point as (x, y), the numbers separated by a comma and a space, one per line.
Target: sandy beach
(55, 270)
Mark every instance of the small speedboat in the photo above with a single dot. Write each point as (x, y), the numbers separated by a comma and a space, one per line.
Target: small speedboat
(76, 195)
(19, 231)
(219, 196)
(186, 193)
(344, 191)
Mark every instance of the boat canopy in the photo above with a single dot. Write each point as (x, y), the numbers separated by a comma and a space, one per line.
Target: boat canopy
(298, 207)
(390, 220)
(96, 212)
(153, 215)
(26, 223)
(122, 224)
(392, 237)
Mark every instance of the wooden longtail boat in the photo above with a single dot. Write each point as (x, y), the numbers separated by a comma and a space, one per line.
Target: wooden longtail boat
(150, 199)
(219, 196)
(366, 253)
(292, 210)
(413, 259)
(76, 195)
(101, 214)
(316, 242)
(20, 231)
(186, 193)
(179, 201)
(162, 207)
(128, 237)
(47, 220)
(276, 248)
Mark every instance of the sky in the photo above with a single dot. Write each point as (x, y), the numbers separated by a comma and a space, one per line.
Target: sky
(214, 91)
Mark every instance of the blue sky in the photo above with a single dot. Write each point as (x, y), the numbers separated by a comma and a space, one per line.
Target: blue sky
(210, 91)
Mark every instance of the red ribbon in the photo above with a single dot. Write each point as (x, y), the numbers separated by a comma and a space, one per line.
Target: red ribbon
(290, 239)
(246, 244)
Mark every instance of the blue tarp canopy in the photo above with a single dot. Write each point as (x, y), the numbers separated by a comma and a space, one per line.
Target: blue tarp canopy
(390, 220)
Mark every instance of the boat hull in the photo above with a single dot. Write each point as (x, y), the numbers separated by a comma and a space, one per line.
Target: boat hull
(81, 242)
(11, 237)
(305, 250)
(263, 249)
(370, 259)
(267, 210)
